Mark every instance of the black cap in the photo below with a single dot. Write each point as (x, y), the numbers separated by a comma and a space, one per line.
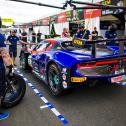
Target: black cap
(81, 27)
(14, 31)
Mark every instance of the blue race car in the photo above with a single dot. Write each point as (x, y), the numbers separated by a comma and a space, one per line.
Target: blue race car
(63, 63)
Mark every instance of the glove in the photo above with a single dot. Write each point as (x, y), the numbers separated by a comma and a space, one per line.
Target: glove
(10, 71)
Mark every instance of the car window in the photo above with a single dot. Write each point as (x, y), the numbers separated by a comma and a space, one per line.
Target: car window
(57, 47)
(42, 46)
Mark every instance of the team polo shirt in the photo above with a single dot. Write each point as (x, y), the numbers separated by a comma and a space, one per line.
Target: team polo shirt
(83, 33)
(110, 34)
(2, 44)
(13, 40)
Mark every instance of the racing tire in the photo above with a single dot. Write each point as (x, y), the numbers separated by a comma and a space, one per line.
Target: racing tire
(55, 80)
(24, 61)
(14, 97)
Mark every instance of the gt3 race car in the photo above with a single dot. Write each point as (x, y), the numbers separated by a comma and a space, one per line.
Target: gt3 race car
(63, 63)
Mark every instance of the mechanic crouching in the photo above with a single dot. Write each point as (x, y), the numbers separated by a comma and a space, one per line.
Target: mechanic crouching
(4, 59)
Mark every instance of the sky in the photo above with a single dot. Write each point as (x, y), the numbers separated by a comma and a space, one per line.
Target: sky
(23, 13)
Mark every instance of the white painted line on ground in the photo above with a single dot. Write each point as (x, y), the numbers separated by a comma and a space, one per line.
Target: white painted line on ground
(44, 99)
(43, 107)
(48, 104)
(55, 111)
(36, 91)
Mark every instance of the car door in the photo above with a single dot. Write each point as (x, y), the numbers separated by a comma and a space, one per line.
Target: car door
(38, 56)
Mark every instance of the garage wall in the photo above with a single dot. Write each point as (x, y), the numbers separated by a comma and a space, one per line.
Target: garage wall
(43, 29)
(59, 27)
(94, 22)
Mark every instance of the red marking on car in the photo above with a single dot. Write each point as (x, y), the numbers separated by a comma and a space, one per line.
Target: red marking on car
(116, 79)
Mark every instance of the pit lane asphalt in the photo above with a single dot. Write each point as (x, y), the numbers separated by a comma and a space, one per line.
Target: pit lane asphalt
(102, 105)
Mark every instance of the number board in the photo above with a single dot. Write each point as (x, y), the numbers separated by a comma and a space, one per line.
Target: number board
(78, 42)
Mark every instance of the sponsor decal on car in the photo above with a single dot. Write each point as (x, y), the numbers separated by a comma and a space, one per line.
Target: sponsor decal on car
(78, 42)
(78, 79)
(64, 84)
(64, 77)
(64, 70)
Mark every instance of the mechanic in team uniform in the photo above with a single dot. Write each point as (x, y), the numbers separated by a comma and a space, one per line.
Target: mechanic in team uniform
(24, 37)
(4, 59)
(39, 36)
(111, 34)
(94, 33)
(83, 33)
(33, 37)
(13, 40)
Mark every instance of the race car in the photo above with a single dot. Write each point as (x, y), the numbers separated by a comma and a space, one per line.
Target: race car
(63, 63)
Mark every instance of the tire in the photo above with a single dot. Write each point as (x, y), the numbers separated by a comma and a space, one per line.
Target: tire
(55, 80)
(12, 98)
(24, 61)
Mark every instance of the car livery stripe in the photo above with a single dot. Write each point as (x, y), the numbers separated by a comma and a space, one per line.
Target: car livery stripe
(41, 96)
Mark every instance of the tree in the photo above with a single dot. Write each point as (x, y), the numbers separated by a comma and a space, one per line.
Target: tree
(0, 22)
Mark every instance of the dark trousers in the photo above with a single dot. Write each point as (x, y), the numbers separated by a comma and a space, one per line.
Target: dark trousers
(2, 82)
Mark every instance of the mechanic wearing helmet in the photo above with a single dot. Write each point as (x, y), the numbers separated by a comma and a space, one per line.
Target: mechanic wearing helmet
(4, 59)
(111, 34)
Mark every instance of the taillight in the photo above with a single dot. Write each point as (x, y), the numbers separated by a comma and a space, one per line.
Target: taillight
(101, 68)
(86, 65)
(94, 63)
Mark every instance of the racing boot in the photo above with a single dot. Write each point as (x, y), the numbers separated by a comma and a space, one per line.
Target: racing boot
(3, 115)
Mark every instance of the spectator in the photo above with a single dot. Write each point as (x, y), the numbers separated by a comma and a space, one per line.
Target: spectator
(65, 33)
(39, 36)
(33, 36)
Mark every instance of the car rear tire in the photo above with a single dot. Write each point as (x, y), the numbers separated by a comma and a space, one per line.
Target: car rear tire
(24, 61)
(55, 80)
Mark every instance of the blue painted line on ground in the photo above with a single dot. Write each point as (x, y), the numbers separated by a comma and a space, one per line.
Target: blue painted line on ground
(49, 105)
(41, 96)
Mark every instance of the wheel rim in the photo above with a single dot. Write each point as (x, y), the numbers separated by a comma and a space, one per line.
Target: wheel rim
(54, 80)
(13, 92)
(22, 62)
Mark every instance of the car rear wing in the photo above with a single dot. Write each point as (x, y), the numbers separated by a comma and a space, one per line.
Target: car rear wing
(82, 42)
